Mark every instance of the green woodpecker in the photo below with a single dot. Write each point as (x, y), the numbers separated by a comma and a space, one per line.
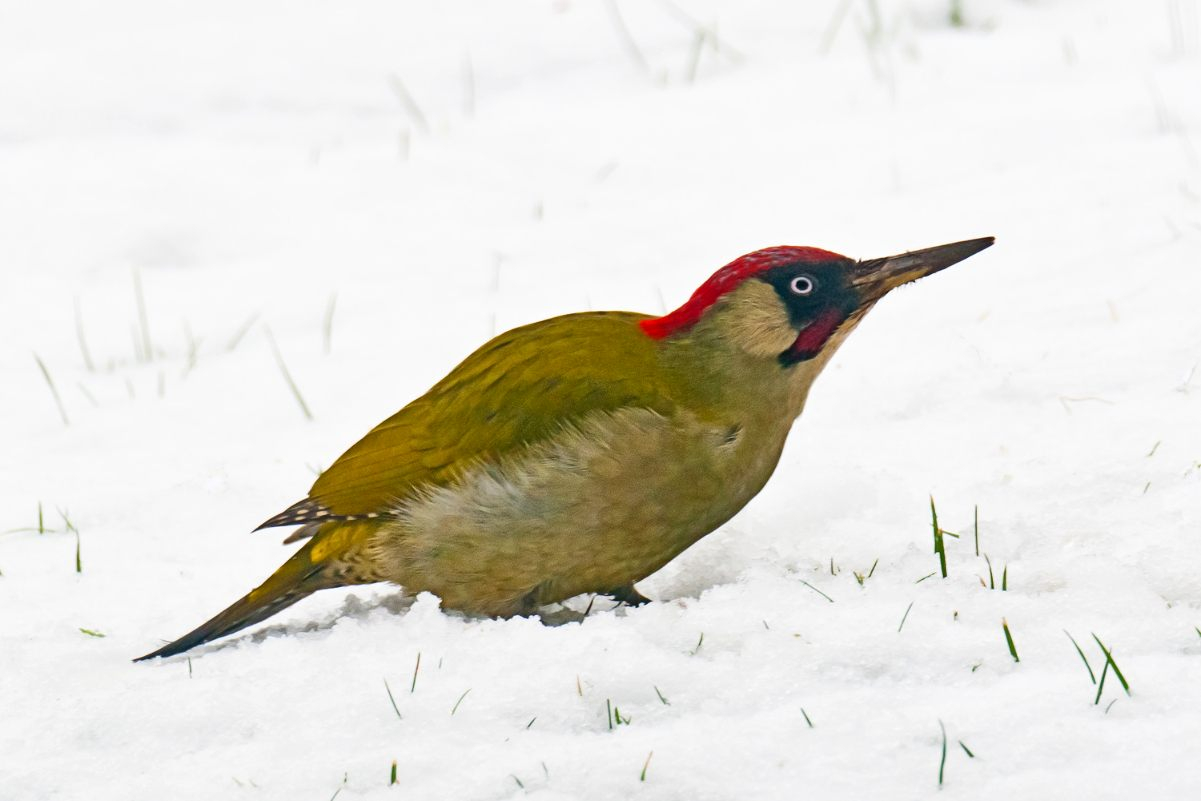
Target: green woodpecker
(580, 454)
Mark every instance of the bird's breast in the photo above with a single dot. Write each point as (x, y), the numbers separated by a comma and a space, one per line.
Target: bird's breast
(602, 503)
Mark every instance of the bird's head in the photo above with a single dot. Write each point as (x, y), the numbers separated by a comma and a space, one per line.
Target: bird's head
(794, 304)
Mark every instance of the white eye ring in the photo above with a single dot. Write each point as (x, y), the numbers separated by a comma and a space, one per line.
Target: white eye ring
(801, 285)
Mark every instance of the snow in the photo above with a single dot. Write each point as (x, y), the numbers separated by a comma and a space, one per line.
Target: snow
(248, 163)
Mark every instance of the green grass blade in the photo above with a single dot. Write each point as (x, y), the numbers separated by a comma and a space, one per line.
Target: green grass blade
(819, 592)
(1101, 683)
(1009, 641)
(455, 708)
(976, 527)
(942, 762)
(1116, 670)
(395, 708)
(1091, 676)
(58, 401)
(283, 369)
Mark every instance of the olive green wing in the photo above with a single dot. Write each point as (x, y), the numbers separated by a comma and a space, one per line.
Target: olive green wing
(519, 388)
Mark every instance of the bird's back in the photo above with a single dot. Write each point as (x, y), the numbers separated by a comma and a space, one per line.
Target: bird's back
(515, 391)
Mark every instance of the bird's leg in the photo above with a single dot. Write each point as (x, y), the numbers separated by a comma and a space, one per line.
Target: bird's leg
(627, 595)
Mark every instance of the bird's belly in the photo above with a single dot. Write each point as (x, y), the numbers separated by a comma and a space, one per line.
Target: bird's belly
(596, 508)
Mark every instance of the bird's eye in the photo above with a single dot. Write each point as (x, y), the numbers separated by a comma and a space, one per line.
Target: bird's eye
(802, 285)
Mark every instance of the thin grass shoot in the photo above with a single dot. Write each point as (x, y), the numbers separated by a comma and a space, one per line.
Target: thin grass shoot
(819, 592)
(1013, 650)
(1109, 659)
(455, 708)
(1091, 676)
(645, 765)
(58, 401)
(83, 340)
(147, 346)
(939, 545)
(395, 708)
(283, 369)
(1101, 683)
(241, 333)
(942, 760)
(327, 326)
(976, 527)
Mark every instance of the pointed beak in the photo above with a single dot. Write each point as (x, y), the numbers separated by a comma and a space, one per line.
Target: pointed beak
(875, 278)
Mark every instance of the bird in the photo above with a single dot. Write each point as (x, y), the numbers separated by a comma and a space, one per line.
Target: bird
(581, 453)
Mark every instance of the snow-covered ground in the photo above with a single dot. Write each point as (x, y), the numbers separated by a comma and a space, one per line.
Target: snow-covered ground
(448, 170)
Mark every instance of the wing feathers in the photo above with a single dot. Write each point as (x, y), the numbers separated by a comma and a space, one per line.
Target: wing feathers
(513, 392)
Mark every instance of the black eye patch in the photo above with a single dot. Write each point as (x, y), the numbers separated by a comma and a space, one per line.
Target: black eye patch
(826, 284)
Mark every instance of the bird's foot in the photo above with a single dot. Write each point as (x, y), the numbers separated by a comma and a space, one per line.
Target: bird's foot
(627, 595)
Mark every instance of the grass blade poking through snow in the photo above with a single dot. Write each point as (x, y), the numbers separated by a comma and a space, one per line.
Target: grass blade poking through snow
(83, 340)
(71, 527)
(1013, 650)
(455, 708)
(283, 368)
(1110, 663)
(147, 347)
(58, 401)
(819, 592)
(645, 765)
(327, 328)
(236, 339)
(1101, 683)
(942, 761)
(939, 545)
(395, 708)
(905, 617)
(1091, 676)
(976, 527)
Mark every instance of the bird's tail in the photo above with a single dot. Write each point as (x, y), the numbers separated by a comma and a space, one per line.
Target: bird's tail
(314, 567)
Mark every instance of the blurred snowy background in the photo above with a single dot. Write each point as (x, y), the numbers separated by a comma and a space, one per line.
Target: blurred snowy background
(377, 187)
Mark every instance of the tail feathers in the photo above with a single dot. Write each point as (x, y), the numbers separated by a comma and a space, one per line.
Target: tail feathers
(296, 579)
